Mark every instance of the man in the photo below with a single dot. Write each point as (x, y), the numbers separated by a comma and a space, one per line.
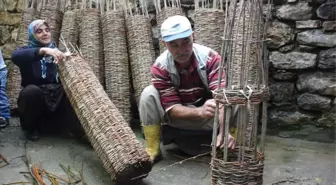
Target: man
(183, 77)
(4, 105)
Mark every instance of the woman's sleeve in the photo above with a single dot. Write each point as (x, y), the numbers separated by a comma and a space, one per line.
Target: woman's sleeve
(23, 56)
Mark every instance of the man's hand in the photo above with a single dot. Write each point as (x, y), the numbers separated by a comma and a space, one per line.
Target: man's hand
(231, 142)
(54, 52)
(208, 110)
(220, 141)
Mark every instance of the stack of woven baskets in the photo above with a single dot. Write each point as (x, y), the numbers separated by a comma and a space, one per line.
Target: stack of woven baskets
(14, 76)
(117, 75)
(141, 51)
(53, 16)
(70, 27)
(209, 25)
(90, 41)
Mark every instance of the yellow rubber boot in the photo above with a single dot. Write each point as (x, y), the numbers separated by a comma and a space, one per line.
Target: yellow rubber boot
(152, 138)
(233, 132)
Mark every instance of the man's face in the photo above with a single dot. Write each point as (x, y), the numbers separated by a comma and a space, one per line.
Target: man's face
(43, 34)
(181, 49)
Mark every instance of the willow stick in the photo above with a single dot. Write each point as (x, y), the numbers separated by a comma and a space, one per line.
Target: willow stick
(226, 123)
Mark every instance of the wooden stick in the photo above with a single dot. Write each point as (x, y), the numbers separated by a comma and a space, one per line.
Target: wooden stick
(4, 159)
(176, 163)
(56, 176)
(156, 8)
(22, 182)
(226, 132)
(214, 131)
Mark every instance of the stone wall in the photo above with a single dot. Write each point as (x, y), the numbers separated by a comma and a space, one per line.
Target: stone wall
(303, 59)
(10, 18)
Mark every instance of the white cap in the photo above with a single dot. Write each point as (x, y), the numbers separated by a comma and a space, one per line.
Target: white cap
(175, 27)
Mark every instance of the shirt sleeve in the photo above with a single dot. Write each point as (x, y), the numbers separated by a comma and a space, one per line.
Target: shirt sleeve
(25, 56)
(162, 82)
(213, 65)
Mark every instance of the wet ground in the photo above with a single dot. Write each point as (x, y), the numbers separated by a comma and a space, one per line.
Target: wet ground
(288, 160)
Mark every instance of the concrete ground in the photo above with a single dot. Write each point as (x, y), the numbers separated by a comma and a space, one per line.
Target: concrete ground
(288, 161)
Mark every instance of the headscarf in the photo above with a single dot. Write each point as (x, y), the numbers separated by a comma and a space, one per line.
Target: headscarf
(34, 42)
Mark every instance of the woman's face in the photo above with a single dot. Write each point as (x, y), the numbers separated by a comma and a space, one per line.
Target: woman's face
(43, 34)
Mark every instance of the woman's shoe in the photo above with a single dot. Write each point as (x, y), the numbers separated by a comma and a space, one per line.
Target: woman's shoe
(33, 135)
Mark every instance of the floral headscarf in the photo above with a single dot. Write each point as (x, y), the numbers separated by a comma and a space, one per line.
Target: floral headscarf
(34, 42)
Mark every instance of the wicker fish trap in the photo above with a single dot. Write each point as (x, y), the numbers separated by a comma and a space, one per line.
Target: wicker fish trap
(122, 155)
(209, 26)
(28, 15)
(13, 85)
(90, 41)
(117, 75)
(54, 18)
(69, 30)
(141, 51)
(174, 8)
(243, 57)
(14, 75)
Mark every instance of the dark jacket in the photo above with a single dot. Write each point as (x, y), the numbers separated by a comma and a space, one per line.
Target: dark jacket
(28, 60)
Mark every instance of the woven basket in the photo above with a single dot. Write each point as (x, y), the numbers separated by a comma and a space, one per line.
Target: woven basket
(14, 75)
(53, 16)
(249, 172)
(69, 29)
(209, 27)
(90, 41)
(123, 156)
(13, 85)
(141, 51)
(27, 17)
(116, 61)
(162, 16)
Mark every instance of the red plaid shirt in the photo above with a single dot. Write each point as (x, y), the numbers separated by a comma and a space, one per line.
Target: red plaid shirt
(191, 89)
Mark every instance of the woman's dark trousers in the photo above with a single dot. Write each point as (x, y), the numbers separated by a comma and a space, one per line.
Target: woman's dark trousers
(46, 107)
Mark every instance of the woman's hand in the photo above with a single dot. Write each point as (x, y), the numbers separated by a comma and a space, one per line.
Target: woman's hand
(54, 52)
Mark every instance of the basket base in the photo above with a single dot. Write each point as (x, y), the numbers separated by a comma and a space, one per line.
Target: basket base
(232, 172)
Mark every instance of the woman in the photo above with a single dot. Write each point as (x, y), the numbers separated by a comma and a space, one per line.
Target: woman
(4, 105)
(42, 103)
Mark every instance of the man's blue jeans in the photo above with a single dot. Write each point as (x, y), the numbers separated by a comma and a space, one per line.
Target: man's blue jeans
(4, 105)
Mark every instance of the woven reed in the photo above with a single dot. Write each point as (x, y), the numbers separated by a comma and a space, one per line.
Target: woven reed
(209, 27)
(90, 41)
(248, 172)
(117, 76)
(14, 75)
(162, 16)
(69, 30)
(27, 17)
(238, 97)
(13, 85)
(123, 156)
(54, 18)
(141, 51)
